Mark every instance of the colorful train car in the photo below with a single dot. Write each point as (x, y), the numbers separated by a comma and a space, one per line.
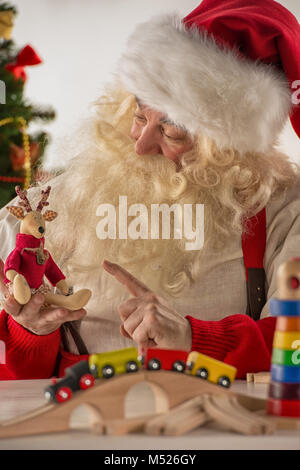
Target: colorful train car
(166, 359)
(77, 377)
(210, 369)
(107, 364)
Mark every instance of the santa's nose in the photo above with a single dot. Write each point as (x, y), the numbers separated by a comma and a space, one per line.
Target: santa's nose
(148, 144)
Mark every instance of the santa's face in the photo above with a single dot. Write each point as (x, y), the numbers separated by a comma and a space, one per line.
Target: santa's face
(155, 134)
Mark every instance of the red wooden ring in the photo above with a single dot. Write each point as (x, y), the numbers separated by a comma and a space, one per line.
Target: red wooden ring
(289, 408)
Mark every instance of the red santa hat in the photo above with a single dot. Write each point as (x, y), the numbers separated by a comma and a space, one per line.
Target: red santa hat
(228, 70)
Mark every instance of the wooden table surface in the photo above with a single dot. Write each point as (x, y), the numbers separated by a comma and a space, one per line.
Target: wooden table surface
(18, 397)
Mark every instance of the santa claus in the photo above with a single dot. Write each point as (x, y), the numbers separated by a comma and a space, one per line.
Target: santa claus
(193, 118)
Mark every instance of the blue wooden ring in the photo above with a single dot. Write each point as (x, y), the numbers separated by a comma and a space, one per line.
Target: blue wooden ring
(285, 308)
(286, 374)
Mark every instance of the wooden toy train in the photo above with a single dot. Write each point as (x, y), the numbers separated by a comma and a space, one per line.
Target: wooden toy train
(108, 364)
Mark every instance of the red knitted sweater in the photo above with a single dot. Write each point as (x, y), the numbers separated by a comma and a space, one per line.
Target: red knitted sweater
(237, 340)
(24, 261)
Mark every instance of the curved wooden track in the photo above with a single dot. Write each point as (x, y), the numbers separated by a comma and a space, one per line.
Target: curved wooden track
(190, 399)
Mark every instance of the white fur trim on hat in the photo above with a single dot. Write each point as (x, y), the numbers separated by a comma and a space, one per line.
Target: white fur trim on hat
(205, 87)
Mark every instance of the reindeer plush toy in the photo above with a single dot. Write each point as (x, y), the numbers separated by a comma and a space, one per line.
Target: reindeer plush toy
(29, 262)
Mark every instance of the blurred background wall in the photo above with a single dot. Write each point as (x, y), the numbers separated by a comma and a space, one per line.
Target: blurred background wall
(80, 42)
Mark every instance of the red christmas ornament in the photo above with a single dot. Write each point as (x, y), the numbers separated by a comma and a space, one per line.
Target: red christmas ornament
(27, 56)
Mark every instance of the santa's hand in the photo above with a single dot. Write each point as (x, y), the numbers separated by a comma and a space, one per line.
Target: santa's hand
(29, 315)
(147, 318)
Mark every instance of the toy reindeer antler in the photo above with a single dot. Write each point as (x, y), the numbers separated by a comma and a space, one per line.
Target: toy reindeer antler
(23, 195)
(43, 202)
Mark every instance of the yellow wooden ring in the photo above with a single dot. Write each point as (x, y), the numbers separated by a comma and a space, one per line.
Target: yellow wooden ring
(286, 339)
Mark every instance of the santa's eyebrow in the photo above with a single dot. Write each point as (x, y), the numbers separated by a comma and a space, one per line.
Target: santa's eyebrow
(163, 120)
(141, 105)
(168, 121)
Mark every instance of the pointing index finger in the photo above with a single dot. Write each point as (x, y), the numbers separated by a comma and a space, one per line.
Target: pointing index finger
(133, 285)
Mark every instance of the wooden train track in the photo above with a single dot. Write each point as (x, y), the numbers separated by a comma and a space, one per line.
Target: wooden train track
(192, 402)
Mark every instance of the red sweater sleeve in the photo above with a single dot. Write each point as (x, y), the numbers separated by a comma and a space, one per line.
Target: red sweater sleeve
(27, 356)
(236, 340)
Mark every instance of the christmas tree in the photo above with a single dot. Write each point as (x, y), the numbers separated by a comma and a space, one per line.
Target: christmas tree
(20, 153)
